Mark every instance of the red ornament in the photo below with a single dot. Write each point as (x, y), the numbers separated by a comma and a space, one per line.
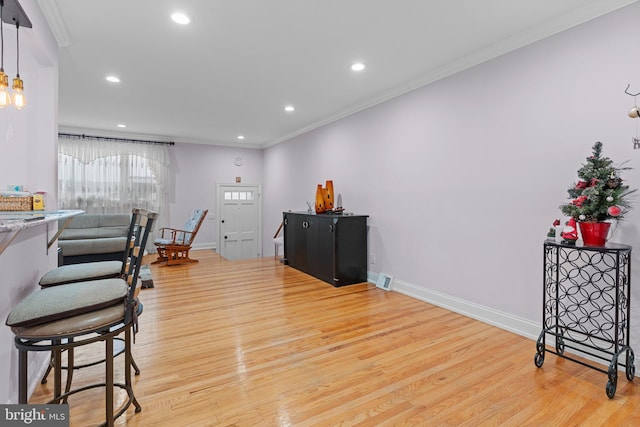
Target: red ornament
(579, 201)
(581, 184)
(614, 211)
(556, 222)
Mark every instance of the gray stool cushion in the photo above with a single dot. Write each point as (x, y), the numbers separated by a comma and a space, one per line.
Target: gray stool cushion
(81, 272)
(93, 320)
(59, 302)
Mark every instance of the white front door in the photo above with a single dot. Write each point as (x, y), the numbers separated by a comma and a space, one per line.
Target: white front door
(239, 221)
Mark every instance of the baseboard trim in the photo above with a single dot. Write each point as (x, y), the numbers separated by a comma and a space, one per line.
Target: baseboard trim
(500, 319)
(497, 318)
(199, 246)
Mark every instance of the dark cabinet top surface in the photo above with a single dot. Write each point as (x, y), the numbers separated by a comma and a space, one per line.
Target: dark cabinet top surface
(329, 215)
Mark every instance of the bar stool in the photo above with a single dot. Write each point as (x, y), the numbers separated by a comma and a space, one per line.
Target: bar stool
(83, 272)
(90, 270)
(66, 317)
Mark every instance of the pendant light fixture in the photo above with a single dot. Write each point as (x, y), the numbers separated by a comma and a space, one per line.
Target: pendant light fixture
(12, 13)
(5, 98)
(18, 84)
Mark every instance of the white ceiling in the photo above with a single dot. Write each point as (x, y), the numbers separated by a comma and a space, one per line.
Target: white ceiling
(234, 68)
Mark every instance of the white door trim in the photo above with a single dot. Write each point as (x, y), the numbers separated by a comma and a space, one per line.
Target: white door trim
(219, 195)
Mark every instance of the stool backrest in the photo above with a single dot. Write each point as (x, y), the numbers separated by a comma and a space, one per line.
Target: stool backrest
(133, 223)
(144, 220)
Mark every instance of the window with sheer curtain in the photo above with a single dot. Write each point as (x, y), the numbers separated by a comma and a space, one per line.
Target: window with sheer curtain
(112, 176)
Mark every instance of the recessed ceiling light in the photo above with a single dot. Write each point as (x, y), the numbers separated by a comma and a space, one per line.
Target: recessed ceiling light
(240, 137)
(180, 18)
(112, 79)
(289, 109)
(122, 126)
(357, 66)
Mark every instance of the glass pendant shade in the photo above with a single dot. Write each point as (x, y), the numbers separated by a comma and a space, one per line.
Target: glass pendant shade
(18, 84)
(5, 97)
(18, 96)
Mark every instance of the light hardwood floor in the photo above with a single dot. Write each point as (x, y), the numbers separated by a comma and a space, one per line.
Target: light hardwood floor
(256, 343)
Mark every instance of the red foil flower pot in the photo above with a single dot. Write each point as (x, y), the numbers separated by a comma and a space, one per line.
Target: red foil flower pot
(594, 233)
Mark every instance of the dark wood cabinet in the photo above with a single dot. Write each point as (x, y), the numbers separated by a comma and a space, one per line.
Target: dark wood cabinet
(331, 247)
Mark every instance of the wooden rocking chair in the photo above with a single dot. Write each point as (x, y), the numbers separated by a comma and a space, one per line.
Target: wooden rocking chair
(174, 244)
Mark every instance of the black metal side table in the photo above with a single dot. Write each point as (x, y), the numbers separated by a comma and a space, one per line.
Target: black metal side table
(586, 306)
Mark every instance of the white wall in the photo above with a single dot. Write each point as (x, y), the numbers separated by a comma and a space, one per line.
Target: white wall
(462, 178)
(195, 171)
(29, 151)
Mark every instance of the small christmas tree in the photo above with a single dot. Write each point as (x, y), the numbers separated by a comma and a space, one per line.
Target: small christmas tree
(600, 194)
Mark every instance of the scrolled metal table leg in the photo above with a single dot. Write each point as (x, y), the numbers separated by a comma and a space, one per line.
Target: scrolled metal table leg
(612, 384)
(560, 345)
(631, 367)
(539, 357)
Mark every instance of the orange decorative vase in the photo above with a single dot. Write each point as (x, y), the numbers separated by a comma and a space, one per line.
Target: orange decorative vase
(328, 197)
(594, 233)
(320, 207)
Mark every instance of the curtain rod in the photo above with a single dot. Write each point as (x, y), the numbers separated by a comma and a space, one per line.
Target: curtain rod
(111, 139)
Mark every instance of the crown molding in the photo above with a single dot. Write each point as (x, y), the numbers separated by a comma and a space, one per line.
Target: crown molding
(52, 14)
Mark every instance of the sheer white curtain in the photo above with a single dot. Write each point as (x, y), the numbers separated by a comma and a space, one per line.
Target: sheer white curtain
(104, 175)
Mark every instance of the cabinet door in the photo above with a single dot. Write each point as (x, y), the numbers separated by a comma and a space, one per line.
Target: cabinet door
(296, 241)
(291, 234)
(320, 254)
(350, 250)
